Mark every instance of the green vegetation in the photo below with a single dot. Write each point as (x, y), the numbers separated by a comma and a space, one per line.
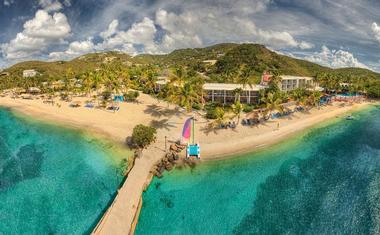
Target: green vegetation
(131, 96)
(99, 76)
(143, 136)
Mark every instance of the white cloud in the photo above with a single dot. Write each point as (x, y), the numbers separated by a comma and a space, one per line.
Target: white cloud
(140, 33)
(112, 29)
(306, 45)
(67, 3)
(38, 34)
(213, 25)
(8, 3)
(376, 30)
(50, 5)
(335, 59)
(75, 48)
(188, 29)
(49, 27)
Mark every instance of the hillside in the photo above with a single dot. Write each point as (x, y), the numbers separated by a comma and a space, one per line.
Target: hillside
(88, 62)
(229, 59)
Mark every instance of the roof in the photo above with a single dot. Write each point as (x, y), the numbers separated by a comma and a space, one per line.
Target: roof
(287, 77)
(162, 82)
(231, 87)
(212, 62)
(34, 89)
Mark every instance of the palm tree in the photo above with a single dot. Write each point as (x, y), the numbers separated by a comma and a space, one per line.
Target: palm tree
(271, 103)
(189, 94)
(237, 92)
(274, 82)
(245, 76)
(125, 78)
(97, 84)
(237, 109)
(220, 117)
(68, 83)
(314, 98)
(299, 95)
(178, 76)
(87, 82)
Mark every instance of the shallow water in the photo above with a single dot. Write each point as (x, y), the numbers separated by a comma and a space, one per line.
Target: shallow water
(52, 180)
(326, 181)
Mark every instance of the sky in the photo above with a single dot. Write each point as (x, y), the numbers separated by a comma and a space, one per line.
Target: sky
(335, 33)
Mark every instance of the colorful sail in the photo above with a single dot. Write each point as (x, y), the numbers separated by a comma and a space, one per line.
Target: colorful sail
(187, 129)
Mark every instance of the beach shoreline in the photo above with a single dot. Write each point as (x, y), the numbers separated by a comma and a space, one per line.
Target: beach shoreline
(209, 153)
(283, 135)
(122, 215)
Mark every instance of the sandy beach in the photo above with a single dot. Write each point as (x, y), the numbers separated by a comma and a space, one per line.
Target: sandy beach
(168, 119)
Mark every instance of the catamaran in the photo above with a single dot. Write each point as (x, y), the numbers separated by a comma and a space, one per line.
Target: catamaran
(188, 133)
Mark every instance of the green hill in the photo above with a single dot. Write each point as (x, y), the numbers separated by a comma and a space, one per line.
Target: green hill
(229, 58)
(88, 62)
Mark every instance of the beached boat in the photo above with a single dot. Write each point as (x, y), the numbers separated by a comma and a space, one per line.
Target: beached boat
(192, 149)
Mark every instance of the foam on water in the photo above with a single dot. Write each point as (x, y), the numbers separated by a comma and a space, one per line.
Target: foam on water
(52, 180)
(326, 181)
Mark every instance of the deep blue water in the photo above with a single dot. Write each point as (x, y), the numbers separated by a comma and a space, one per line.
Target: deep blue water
(326, 181)
(52, 180)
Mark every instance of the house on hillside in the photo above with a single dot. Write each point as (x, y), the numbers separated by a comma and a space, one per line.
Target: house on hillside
(209, 62)
(4, 74)
(29, 73)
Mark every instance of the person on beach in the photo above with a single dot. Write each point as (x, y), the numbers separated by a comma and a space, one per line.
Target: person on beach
(278, 125)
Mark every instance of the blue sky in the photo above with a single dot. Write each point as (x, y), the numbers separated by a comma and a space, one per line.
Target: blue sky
(340, 33)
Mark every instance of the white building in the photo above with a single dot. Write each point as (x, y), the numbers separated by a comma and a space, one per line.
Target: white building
(289, 83)
(4, 74)
(209, 62)
(29, 73)
(226, 93)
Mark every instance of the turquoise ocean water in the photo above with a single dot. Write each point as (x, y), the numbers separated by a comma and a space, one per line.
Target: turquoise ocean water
(52, 180)
(326, 181)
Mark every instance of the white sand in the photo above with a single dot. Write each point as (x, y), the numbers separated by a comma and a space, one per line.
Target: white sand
(169, 120)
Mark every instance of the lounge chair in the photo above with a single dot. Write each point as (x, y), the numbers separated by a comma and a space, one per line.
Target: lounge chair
(89, 105)
(74, 105)
(244, 122)
(114, 108)
(233, 125)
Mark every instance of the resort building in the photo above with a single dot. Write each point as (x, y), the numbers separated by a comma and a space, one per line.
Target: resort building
(29, 73)
(226, 93)
(289, 83)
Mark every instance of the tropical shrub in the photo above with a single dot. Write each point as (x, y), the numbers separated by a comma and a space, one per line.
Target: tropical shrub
(143, 135)
(131, 96)
(215, 112)
(247, 108)
(197, 106)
